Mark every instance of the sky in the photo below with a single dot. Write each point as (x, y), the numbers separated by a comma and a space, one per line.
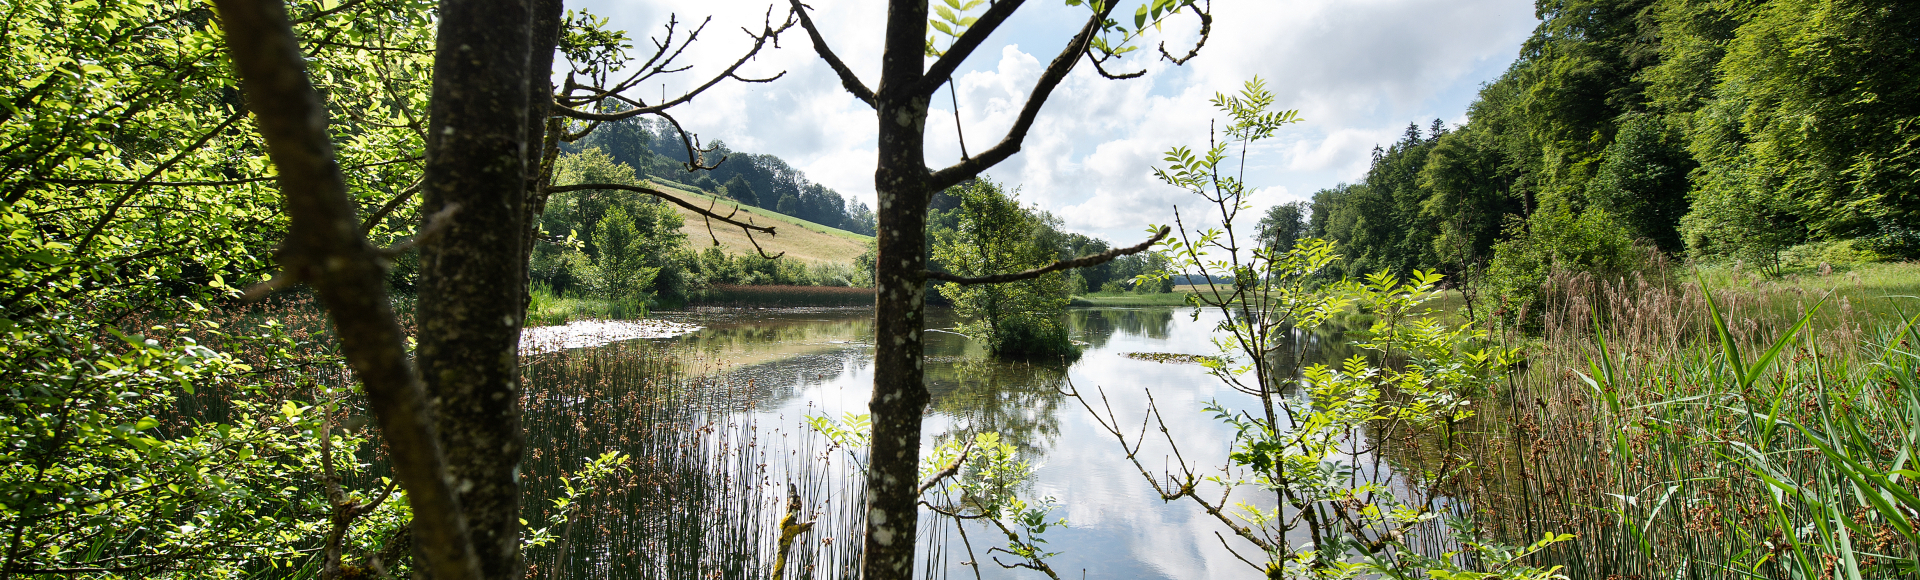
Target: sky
(1358, 71)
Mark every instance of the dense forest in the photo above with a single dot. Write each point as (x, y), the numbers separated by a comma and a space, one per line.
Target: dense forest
(1769, 133)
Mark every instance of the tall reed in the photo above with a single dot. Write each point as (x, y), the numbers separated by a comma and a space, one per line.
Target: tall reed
(1639, 420)
(708, 485)
(700, 498)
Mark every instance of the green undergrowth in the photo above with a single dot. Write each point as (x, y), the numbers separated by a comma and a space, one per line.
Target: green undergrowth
(551, 309)
(1764, 430)
(1873, 287)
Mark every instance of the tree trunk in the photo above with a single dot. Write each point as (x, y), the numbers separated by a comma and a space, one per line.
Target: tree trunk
(470, 305)
(325, 248)
(543, 137)
(899, 390)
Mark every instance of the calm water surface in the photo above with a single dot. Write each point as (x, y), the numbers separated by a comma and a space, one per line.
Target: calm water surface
(817, 361)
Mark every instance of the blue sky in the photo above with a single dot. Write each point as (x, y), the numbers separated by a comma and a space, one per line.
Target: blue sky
(1357, 70)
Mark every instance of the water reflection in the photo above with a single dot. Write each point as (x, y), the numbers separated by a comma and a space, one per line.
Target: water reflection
(780, 366)
(1019, 401)
(1095, 326)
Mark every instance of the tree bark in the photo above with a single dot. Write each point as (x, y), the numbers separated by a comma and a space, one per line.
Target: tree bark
(899, 390)
(542, 136)
(326, 249)
(471, 275)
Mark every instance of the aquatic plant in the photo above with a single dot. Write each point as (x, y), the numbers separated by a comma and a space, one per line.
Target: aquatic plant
(1754, 431)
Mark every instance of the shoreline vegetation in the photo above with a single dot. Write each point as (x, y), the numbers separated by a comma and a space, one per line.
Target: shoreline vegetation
(1860, 285)
(1650, 310)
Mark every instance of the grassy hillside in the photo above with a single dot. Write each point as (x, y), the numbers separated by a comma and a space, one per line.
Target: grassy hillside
(800, 239)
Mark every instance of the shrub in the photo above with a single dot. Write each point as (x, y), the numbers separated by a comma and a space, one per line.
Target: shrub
(994, 233)
(1591, 241)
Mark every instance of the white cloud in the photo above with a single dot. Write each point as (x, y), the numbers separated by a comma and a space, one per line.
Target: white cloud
(1358, 71)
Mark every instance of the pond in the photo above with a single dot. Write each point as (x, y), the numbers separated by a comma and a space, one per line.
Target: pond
(775, 368)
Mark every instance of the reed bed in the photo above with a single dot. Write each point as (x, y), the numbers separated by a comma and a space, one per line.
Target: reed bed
(707, 485)
(768, 296)
(1643, 427)
(703, 489)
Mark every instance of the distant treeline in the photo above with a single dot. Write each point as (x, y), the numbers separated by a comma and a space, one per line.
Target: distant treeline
(1711, 129)
(654, 148)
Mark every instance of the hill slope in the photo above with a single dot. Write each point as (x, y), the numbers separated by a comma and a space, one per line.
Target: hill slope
(800, 239)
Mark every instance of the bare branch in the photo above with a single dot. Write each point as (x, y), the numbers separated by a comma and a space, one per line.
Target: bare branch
(1206, 30)
(847, 78)
(760, 250)
(655, 65)
(1099, 66)
(1082, 262)
(727, 219)
(963, 47)
(1236, 554)
(760, 40)
(1056, 71)
(696, 157)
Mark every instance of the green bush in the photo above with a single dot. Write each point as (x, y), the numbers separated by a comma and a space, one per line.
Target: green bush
(1591, 241)
(993, 233)
(1031, 336)
(609, 244)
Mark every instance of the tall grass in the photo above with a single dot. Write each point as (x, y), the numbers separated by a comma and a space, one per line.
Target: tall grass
(1679, 434)
(704, 497)
(547, 308)
(703, 492)
(740, 295)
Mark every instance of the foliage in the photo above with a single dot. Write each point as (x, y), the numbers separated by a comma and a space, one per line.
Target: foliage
(1814, 107)
(712, 267)
(1591, 241)
(1642, 181)
(1726, 130)
(986, 487)
(1499, 561)
(546, 307)
(1383, 221)
(579, 486)
(1283, 225)
(618, 245)
(106, 475)
(992, 233)
(1854, 439)
(133, 189)
(970, 478)
(130, 157)
(1334, 513)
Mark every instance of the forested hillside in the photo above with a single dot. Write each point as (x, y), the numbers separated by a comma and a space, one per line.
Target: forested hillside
(1748, 131)
(655, 149)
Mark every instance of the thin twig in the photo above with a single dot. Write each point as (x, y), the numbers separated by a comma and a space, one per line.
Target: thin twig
(1083, 262)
